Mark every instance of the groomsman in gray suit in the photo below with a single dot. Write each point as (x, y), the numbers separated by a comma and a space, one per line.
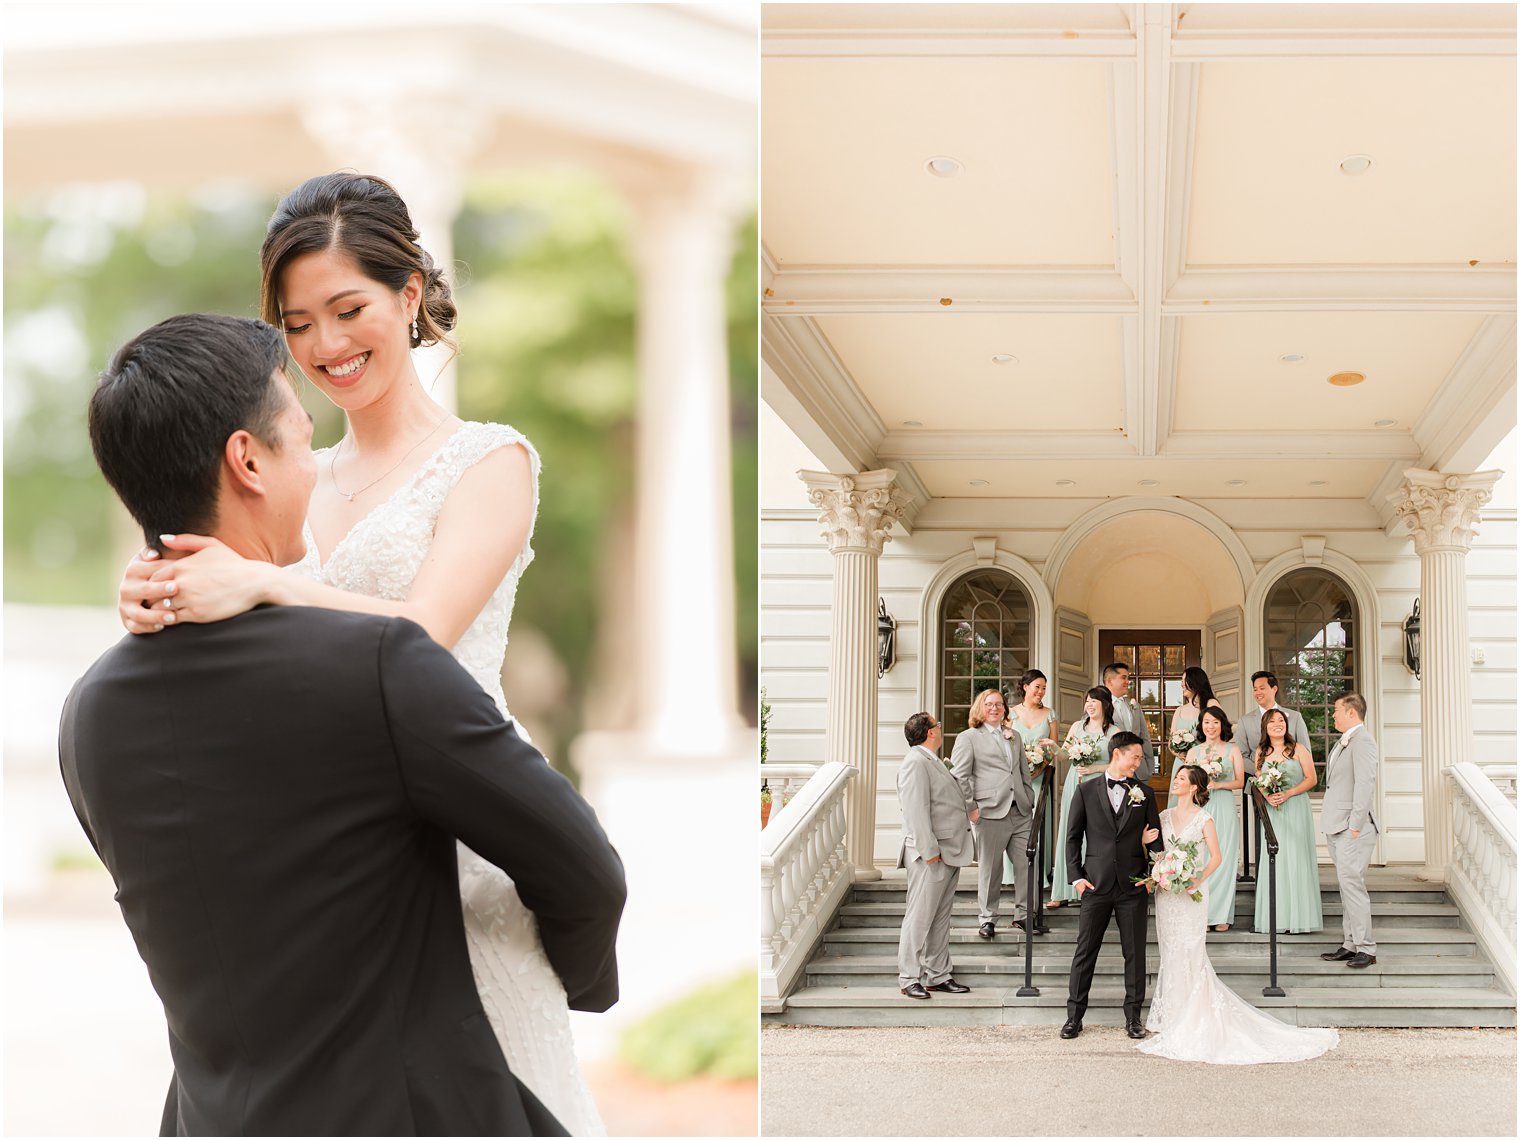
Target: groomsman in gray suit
(1350, 829)
(936, 845)
(1248, 729)
(1128, 718)
(990, 767)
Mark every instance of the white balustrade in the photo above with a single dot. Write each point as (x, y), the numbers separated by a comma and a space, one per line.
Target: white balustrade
(1481, 874)
(785, 781)
(1503, 776)
(805, 874)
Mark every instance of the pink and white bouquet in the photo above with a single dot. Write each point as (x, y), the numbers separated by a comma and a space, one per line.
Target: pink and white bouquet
(1040, 755)
(1212, 765)
(1174, 869)
(1183, 740)
(1086, 750)
(1271, 778)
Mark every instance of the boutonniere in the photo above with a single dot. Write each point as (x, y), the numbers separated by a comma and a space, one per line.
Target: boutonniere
(1007, 732)
(1136, 796)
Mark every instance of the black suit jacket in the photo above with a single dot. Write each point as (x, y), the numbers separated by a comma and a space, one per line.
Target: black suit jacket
(277, 798)
(1115, 854)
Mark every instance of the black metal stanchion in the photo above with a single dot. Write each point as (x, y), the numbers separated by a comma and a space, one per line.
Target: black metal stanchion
(1034, 899)
(1246, 830)
(1271, 989)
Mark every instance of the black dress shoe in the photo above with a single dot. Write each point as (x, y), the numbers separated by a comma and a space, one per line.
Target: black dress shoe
(1360, 961)
(1070, 1029)
(949, 986)
(1339, 954)
(915, 990)
(1137, 1031)
(987, 930)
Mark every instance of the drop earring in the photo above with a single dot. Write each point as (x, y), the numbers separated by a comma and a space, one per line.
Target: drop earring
(416, 336)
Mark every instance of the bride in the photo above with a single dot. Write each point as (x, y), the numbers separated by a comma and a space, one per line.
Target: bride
(415, 514)
(1194, 1016)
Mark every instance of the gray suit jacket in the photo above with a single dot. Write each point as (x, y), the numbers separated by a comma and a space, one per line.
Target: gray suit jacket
(992, 772)
(1350, 780)
(935, 820)
(1248, 733)
(1128, 718)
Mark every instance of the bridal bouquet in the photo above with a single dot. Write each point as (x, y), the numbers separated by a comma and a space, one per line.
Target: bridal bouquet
(1271, 777)
(1182, 740)
(1086, 750)
(1212, 765)
(1040, 755)
(1173, 869)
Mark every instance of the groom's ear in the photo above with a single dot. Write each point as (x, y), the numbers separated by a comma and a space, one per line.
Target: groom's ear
(241, 457)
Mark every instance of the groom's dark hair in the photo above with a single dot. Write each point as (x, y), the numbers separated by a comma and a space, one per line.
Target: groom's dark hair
(1123, 740)
(162, 412)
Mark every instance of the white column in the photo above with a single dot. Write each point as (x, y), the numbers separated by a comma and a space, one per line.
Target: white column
(1441, 512)
(686, 678)
(856, 512)
(421, 146)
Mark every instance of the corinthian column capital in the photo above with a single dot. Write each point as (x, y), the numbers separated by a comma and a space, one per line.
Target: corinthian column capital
(856, 511)
(1441, 510)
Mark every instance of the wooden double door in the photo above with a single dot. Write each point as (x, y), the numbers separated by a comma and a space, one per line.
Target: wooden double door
(1156, 659)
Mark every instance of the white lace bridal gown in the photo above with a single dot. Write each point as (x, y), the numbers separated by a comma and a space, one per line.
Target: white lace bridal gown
(1196, 1017)
(522, 996)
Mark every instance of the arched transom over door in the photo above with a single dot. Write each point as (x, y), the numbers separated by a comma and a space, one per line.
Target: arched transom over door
(1310, 635)
(985, 629)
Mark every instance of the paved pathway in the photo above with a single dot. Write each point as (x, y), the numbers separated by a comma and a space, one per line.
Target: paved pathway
(1025, 1081)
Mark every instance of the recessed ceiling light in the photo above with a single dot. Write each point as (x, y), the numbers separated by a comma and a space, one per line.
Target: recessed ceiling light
(1235, 482)
(1316, 482)
(1066, 482)
(1149, 483)
(913, 423)
(1354, 164)
(978, 482)
(1291, 357)
(1347, 379)
(1384, 423)
(1004, 358)
(943, 166)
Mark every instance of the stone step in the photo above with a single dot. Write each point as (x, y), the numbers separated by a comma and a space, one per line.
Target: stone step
(1383, 888)
(1337, 1006)
(1239, 971)
(1391, 939)
(966, 911)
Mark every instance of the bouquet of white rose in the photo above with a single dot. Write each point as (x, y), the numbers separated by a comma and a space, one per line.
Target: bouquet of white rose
(1086, 750)
(1174, 869)
(1183, 740)
(1270, 777)
(1040, 755)
(1213, 766)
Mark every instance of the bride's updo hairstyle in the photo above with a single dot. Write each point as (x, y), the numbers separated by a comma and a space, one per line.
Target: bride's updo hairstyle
(1200, 781)
(364, 217)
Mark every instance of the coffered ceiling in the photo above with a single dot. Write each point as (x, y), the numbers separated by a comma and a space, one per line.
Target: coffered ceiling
(1147, 261)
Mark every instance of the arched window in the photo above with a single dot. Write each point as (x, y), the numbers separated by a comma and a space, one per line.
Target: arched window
(1311, 645)
(984, 634)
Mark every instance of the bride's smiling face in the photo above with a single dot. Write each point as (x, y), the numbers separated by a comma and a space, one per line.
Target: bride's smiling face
(1181, 783)
(347, 332)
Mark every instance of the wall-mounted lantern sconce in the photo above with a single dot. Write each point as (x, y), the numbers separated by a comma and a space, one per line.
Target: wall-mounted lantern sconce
(886, 639)
(1412, 640)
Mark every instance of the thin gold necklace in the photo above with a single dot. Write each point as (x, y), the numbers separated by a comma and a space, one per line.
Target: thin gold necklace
(332, 468)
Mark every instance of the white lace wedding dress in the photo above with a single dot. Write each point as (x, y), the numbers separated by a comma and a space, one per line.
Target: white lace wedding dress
(522, 996)
(1196, 1017)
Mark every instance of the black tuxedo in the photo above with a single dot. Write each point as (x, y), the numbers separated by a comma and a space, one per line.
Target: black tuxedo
(1115, 856)
(277, 798)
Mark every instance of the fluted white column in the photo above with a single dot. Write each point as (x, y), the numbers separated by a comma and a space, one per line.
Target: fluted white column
(1441, 512)
(856, 512)
(687, 684)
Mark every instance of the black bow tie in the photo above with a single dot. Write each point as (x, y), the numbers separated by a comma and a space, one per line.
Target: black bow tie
(1113, 783)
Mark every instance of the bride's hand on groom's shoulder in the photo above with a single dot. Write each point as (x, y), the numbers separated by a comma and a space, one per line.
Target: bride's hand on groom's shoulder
(210, 583)
(139, 598)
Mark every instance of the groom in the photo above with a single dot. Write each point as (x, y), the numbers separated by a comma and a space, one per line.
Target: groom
(277, 797)
(1117, 817)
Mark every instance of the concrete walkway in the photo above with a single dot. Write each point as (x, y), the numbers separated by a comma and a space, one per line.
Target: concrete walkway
(1026, 1081)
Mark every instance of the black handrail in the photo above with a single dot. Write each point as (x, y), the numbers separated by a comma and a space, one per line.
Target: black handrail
(1272, 989)
(1246, 831)
(1034, 910)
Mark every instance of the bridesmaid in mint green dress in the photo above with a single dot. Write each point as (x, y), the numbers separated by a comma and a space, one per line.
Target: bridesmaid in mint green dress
(1034, 723)
(1298, 901)
(1098, 723)
(1224, 791)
